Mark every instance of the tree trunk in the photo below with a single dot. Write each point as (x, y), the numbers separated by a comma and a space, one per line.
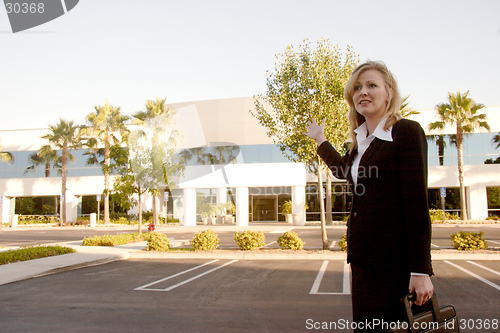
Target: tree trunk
(64, 163)
(328, 218)
(460, 148)
(106, 179)
(155, 210)
(106, 208)
(324, 237)
(47, 169)
(440, 141)
(140, 212)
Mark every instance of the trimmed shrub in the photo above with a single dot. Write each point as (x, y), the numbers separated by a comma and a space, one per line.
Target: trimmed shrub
(112, 240)
(249, 240)
(205, 240)
(437, 215)
(290, 240)
(467, 241)
(37, 219)
(157, 242)
(82, 221)
(286, 207)
(343, 243)
(33, 252)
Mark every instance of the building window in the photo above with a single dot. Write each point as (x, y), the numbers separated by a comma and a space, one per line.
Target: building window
(479, 148)
(42, 205)
(451, 201)
(341, 201)
(265, 203)
(493, 194)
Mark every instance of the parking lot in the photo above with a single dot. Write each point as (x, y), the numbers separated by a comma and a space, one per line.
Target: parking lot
(311, 235)
(205, 295)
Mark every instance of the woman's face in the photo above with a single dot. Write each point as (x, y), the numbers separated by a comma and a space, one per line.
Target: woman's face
(370, 95)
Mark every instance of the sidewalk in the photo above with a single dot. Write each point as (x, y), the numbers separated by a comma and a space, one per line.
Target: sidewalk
(85, 256)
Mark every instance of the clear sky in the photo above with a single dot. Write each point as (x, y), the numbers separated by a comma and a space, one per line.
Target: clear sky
(128, 51)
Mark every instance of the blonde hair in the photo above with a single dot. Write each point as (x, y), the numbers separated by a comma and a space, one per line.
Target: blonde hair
(393, 105)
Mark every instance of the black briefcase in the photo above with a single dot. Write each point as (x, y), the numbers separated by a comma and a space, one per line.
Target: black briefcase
(437, 319)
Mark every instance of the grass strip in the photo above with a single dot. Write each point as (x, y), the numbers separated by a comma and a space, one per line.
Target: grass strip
(33, 252)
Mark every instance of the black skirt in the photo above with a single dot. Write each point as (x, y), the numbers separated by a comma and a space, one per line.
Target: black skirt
(376, 297)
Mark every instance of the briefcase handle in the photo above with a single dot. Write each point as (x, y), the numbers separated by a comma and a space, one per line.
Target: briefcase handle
(436, 314)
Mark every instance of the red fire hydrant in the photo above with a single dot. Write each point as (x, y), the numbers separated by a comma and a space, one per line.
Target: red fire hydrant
(151, 227)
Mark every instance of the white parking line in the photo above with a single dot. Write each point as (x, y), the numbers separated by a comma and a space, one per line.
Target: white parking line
(145, 287)
(480, 278)
(319, 277)
(199, 276)
(269, 244)
(346, 287)
(484, 267)
(333, 245)
(490, 241)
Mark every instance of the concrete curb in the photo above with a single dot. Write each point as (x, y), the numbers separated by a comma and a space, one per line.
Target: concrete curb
(238, 255)
(320, 255)
(463, 255)
(82, 265)
(25, 270)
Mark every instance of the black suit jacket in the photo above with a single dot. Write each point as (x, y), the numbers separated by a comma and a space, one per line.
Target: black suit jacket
(389, 225)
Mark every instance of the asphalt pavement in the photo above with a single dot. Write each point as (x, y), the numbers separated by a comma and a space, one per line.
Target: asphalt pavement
(126, 289)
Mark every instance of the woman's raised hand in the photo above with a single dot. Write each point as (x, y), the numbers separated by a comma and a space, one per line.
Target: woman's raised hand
(315, 131)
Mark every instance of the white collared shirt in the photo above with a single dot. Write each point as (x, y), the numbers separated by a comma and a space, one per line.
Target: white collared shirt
(365, 141)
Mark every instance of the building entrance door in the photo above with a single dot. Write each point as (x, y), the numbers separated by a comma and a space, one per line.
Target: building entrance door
(265, 208)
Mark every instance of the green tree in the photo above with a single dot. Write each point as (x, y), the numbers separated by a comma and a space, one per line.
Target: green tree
(153, 149)
(126, 185)
(463, 112)
(106, 126)
(307, 84)
(64, 136)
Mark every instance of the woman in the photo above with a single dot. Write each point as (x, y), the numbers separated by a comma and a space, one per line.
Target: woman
(389, 228)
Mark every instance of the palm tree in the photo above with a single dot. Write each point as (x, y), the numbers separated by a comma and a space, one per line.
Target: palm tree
(64, 136)
(496, 142)
(441, 144)
(48, 160)
(461, 111)
(106, 126)
(405, 109)
(5, 156)
(155, 122)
